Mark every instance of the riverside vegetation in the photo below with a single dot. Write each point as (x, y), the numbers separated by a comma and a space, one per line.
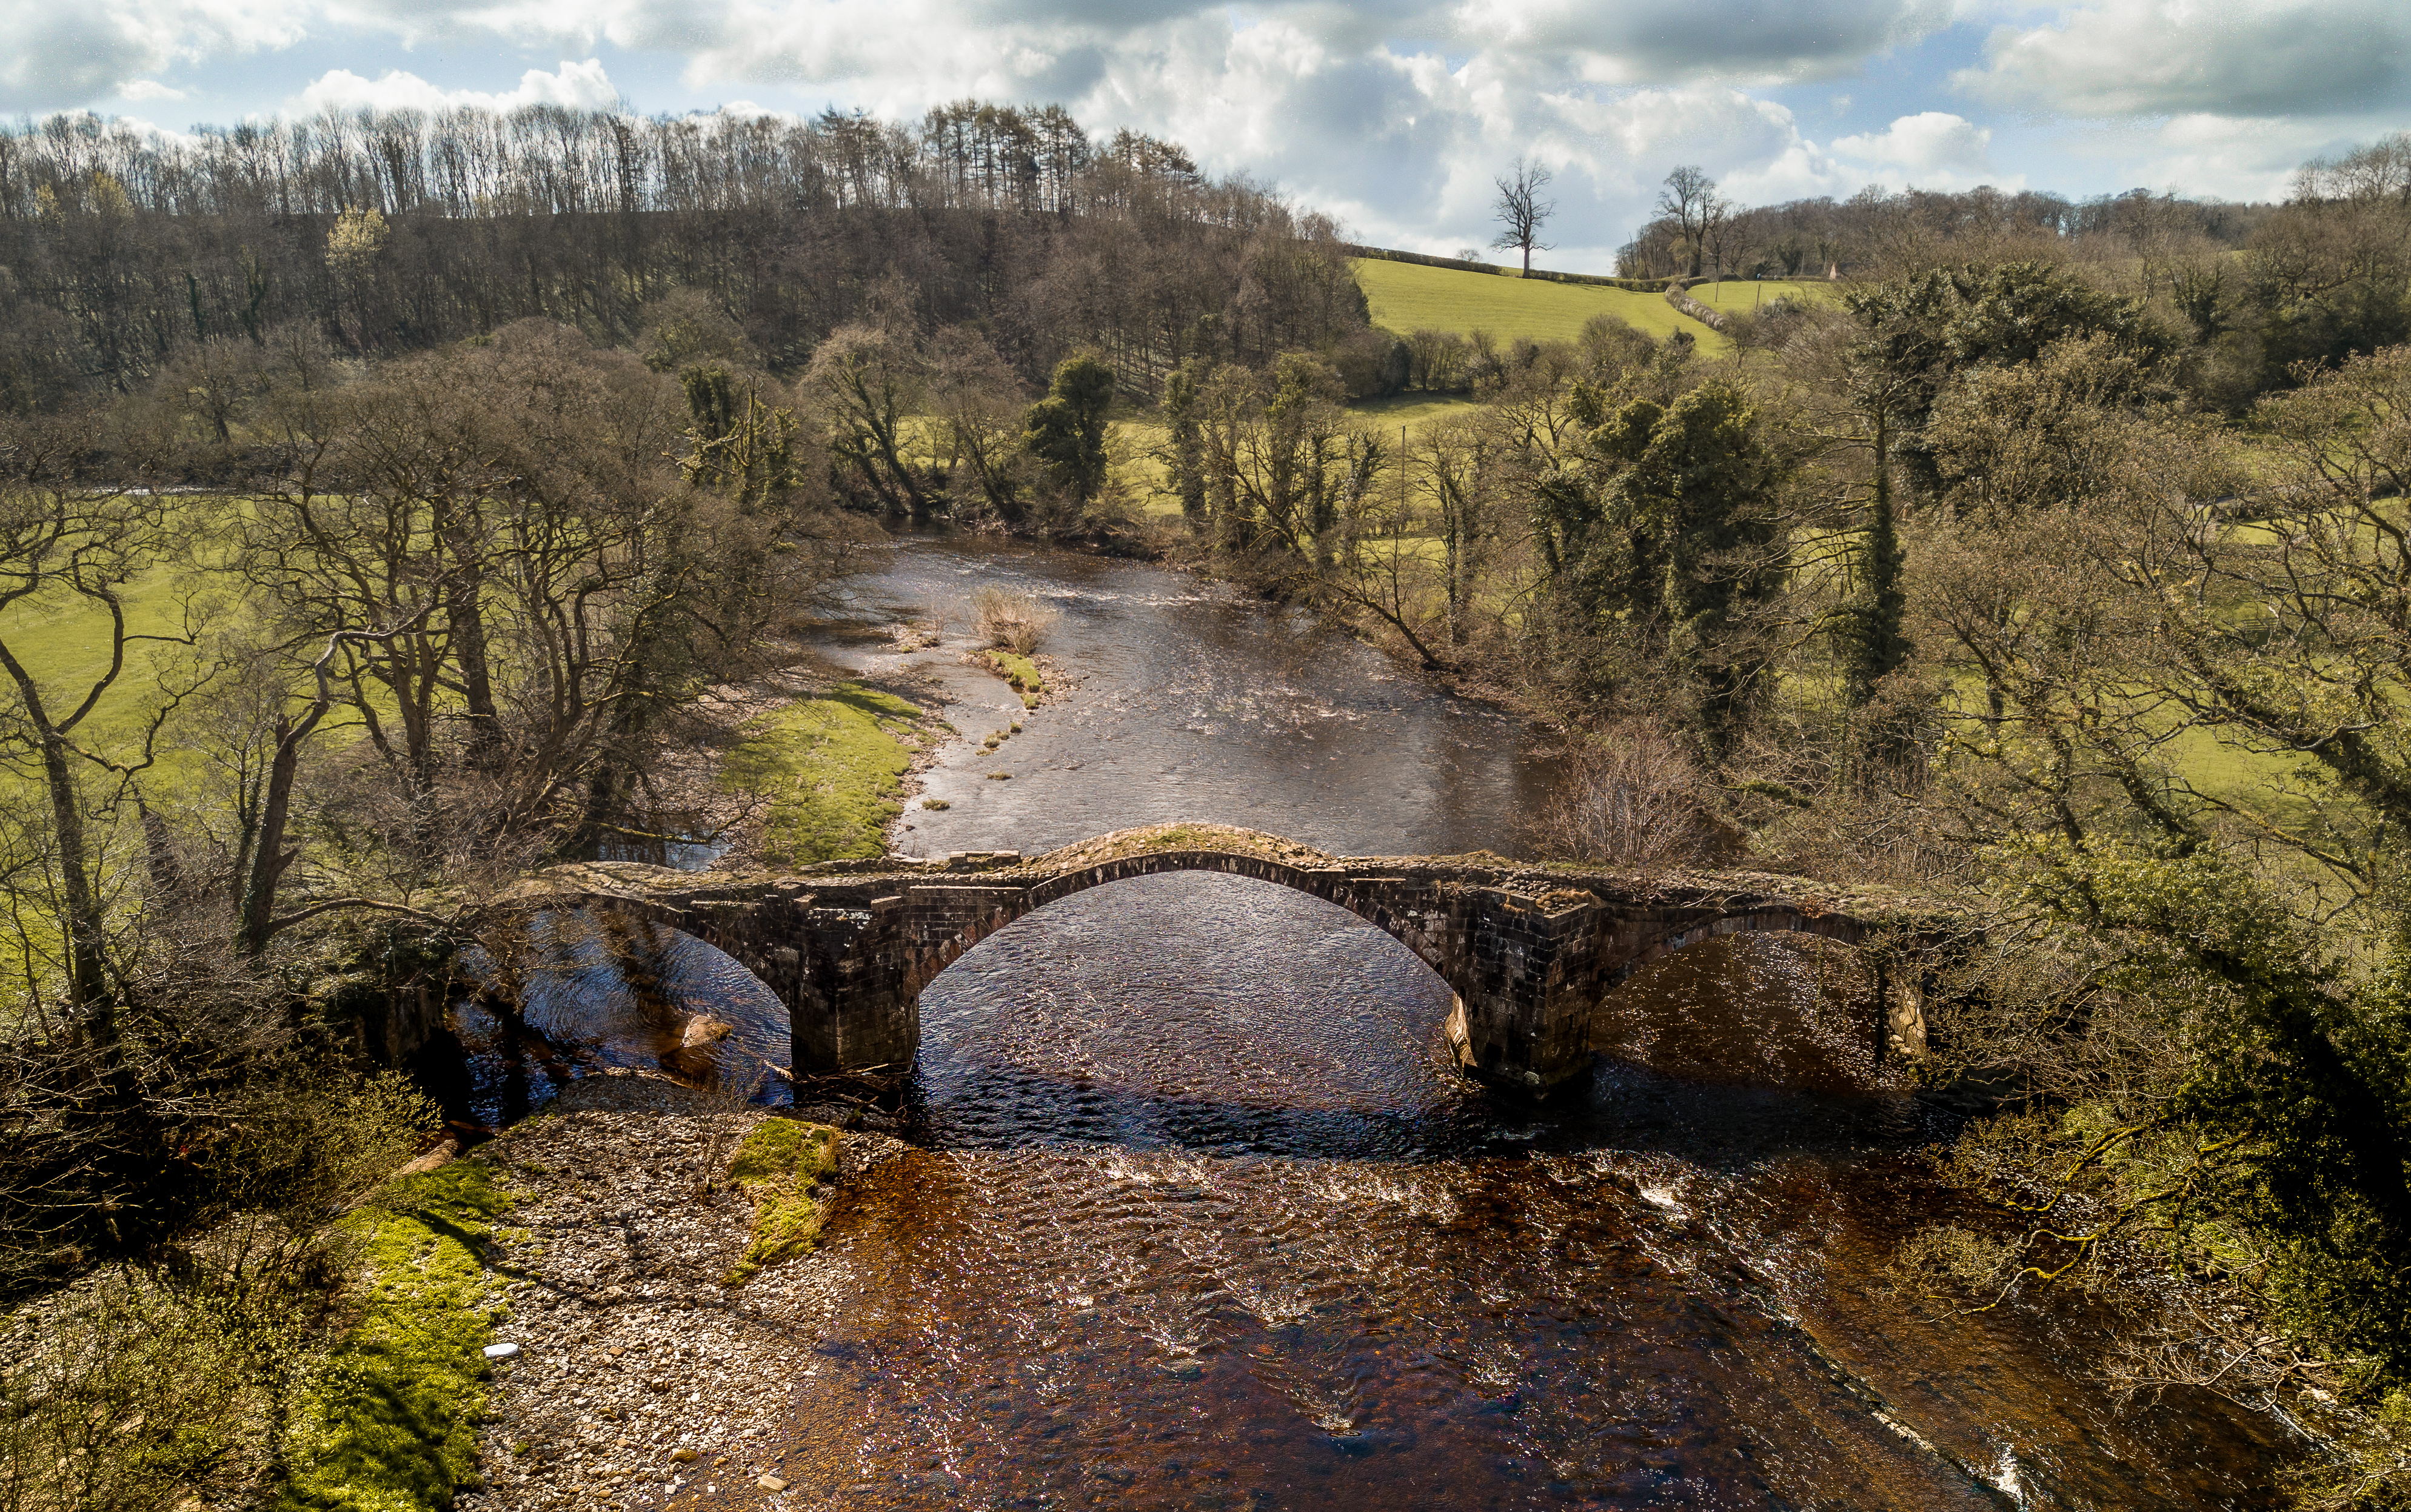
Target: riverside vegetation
(388, 506)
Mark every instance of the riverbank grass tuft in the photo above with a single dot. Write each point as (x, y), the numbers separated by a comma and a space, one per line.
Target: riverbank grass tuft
(831, 769)
(778, 1165)
(1010, 621)
(1018, 671)
(389, 1426)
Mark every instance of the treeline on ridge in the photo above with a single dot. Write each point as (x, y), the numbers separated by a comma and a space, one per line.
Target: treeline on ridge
(2259, 289)
(392, 231)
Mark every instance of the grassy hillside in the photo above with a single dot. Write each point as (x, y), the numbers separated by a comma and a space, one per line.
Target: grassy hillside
(1742, 294)
(65, 640)
(1417, 410)
(1408, 296)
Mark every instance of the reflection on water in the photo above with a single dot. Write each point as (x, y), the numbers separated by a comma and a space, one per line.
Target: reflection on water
(596, 992)
(1204, 1220)
(1796, 1014)
(1187, 703)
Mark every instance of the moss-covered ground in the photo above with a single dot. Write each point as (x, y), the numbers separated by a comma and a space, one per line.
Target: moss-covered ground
(830, 768)
(391, 1424)
(777, 1165)
(1018, 671)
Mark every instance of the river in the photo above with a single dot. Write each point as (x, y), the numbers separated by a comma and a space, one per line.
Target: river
(1199, 1215)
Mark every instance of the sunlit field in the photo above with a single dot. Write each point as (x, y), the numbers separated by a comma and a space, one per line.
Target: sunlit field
(1408, 297)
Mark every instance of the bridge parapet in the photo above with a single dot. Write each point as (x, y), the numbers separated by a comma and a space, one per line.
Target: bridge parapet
(1528, 950)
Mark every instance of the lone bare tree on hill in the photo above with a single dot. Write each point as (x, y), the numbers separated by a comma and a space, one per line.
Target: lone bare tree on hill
(1521, 211)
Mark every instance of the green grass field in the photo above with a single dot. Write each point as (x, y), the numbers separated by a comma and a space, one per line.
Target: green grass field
(1407, 296)
(832, 768)
(65, 642)
(1416, 411)
(1739, 296)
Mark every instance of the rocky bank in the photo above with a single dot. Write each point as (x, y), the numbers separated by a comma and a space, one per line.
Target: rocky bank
(639, 1379)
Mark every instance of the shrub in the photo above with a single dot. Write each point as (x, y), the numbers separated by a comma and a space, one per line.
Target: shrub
(1638, 800)
(138, 1384)
(133, 1388)
(1438, 361)
(1372, 363)
(1010, 621)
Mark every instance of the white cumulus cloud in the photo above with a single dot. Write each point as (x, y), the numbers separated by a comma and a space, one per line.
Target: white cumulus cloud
(580, 86)
(1634, 41)
(1931, 150)
(56, 57)
(2236, 158)
(2233, 58)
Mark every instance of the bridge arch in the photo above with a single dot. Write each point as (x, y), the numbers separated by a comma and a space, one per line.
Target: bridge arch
(1408, 926)
(1758, 921)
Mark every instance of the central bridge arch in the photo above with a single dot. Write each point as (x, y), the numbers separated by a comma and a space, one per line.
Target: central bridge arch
(1528, 952)
(945, 921)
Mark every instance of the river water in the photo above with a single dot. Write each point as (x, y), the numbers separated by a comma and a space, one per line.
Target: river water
(1185, 703)
(1199, 1215)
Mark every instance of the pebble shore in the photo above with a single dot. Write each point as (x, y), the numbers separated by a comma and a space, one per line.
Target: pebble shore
(640, 1380)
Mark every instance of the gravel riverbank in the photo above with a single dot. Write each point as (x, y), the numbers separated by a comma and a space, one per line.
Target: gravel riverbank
(640, 1380)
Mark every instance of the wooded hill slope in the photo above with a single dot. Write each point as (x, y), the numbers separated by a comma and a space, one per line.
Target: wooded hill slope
(395, 231)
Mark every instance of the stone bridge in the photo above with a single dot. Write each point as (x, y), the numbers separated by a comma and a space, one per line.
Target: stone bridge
(1529, 950)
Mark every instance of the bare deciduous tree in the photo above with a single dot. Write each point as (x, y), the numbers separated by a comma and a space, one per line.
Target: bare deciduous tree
(1520, 211)
(979, 403)
(1636, 799)
(868, 381)
(70, 543)
(1686, 200)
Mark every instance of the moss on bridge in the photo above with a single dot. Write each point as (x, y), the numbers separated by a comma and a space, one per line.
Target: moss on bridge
(1151, 838)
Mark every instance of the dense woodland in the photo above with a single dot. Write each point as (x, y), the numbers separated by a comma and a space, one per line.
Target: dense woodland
(1698, 233)
(2051, 559)
(391, 233)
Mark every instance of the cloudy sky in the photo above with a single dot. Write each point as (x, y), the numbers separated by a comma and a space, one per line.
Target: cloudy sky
(1393, 116)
